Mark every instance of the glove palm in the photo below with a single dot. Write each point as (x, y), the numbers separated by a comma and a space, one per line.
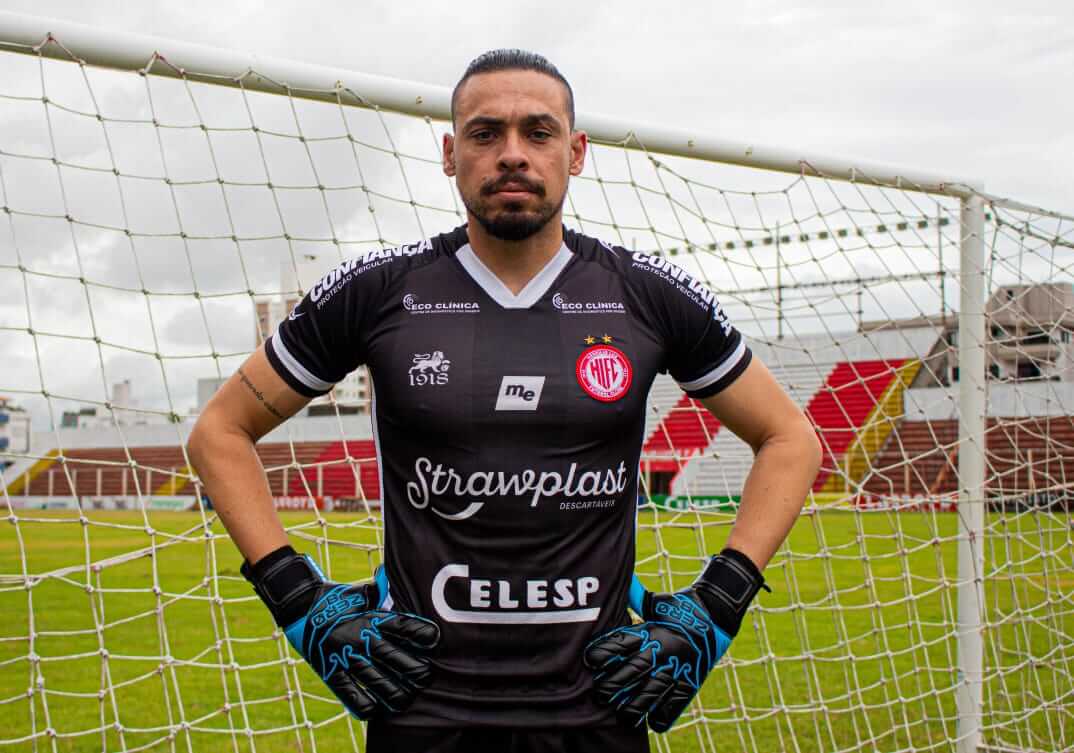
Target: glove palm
(374, 660)
(651, 671)
(370, 658)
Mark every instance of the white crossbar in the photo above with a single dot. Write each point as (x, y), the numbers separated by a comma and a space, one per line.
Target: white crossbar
(173, 58)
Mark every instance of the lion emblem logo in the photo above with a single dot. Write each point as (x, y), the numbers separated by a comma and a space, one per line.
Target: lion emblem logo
(429, 369)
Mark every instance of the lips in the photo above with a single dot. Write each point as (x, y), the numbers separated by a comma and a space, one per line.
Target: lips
(513, 187)
(514, 193)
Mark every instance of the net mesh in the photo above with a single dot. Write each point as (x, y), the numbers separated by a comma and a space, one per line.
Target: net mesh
(149, 226)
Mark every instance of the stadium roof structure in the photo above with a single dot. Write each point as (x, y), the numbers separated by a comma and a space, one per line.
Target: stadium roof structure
(1045, 305)
(914, 322)
(836, 347)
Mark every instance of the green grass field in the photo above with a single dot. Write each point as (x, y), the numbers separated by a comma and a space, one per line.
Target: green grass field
(854, 649)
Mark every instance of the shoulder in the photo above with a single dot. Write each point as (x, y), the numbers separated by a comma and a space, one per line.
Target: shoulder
(377, 268)
(648, 274)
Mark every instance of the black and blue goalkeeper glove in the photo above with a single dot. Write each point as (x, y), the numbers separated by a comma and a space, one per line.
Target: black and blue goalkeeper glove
(374, 660)
(651, 671)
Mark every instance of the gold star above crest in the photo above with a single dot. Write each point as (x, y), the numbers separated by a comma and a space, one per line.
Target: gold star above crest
(607, 339)
(589, 339)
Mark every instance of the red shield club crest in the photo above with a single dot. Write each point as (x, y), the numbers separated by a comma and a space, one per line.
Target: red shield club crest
(604, 373)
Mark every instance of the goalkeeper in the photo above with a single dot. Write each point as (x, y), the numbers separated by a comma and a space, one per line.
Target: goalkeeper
(510, 359)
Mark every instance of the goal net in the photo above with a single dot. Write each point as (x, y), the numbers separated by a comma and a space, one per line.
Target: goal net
(159, 214)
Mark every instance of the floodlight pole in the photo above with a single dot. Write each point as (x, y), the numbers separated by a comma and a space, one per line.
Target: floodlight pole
(972, 350)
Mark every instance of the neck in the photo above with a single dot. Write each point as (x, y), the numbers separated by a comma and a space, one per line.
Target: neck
(516, 262)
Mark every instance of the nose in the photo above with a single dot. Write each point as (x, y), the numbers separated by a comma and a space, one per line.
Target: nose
(513, 157)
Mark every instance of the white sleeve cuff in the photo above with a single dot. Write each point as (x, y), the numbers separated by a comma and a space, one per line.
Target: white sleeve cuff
(718, 373)
(298, 371)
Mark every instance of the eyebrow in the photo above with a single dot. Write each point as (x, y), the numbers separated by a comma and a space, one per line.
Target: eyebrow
(541, 118)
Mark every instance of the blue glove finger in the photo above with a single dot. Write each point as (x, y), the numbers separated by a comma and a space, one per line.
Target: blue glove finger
(408, 629)
(354, 698)
(670, 707)
(380, 684)
(622, 682)
(649, 694)
(413, 670)
(612, 646)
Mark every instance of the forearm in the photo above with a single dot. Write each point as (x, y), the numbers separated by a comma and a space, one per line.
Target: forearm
(235, 481)
(775, 490)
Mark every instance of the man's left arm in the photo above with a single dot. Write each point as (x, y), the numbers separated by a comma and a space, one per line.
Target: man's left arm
(787, 457)
(650, 672)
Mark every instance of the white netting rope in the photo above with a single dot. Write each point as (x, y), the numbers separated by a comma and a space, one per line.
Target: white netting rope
(857, 649)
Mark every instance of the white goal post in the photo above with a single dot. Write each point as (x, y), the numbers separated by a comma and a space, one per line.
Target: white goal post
(726, 235)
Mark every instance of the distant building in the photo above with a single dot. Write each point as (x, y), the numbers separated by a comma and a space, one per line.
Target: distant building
(271, 310)
(81, 418)
(1028, 328)
(124, 411)
(14, 428)
(1030, 332)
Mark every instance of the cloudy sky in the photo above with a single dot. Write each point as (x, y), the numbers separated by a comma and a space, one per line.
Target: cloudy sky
(971, 89)
(979, 88)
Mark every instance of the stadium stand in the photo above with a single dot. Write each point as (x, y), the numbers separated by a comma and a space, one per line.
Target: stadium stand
(846, 369)
(868, 421)
(331, 474)
(722, 468)
(663, 396)
(95, 463)
(107, 471)
(281, 461)
(840, 407)
(685, 430)
(1027, 455)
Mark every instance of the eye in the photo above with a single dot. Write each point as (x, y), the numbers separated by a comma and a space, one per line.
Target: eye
(540, 135)
(484, 135)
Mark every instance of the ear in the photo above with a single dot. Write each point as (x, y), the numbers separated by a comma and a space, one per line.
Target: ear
(579, 141)
(449, 155)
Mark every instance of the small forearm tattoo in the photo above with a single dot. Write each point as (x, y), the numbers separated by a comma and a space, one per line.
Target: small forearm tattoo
(260, 396)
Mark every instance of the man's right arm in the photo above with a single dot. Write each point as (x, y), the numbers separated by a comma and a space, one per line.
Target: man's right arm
(375, 661)
(253, 402)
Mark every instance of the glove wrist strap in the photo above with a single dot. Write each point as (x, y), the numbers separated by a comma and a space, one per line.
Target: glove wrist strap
(727, 585)
(286, 581)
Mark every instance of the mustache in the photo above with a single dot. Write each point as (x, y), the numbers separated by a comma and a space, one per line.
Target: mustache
(521, 180)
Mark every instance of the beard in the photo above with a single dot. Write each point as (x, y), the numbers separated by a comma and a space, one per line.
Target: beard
(512, 222)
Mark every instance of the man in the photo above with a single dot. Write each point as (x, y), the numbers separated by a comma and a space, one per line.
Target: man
(511, 360)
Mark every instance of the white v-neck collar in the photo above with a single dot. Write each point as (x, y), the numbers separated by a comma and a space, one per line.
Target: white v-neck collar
(497, 291)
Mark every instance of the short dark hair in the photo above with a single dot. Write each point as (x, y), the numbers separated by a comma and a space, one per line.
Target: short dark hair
(513, 60)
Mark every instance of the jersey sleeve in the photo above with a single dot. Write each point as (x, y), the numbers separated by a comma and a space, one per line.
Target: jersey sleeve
(323, 338)
(704, 351)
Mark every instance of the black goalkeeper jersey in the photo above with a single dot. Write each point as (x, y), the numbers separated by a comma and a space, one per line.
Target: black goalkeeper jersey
(508, 430)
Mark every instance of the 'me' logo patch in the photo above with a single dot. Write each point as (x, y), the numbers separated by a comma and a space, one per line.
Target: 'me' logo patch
(519, 393)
